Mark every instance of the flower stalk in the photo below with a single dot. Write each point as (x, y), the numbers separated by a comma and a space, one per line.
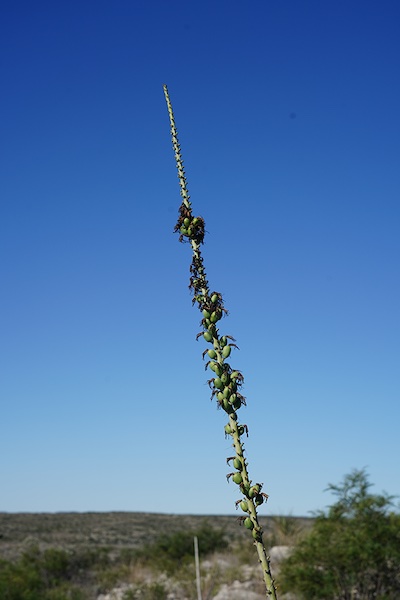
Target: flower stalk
(226, 382)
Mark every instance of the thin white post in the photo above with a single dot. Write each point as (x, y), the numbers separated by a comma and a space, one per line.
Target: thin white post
(197, 563)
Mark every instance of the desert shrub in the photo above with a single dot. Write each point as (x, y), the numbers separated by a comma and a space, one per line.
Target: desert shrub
(151, 591)
(18, 582)
(170, 551)
(52, 574)
(353, 550)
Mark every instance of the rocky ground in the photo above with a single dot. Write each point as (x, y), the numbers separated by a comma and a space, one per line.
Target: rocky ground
(246, 587)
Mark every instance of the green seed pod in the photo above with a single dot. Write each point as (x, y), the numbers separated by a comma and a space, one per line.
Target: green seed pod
(206, 313)
(207, 335)
(189, 231)
(244, 506)
(211, 353)
(227, 392)
(195, 221)
(223, 341)
(218, 383)
(237, 463)
(241, 432)
(225, 378)
(183, 230)
(254, 490)
(248, 523)
(237, 403)
(232, 398)
(234, 374)
(214, 298)
(215, 316)
(227, 407)
(216, 368)
(258, 500)
(228, 429)
(226, 351)
(186, 222)
(220, 396)
(237, 478)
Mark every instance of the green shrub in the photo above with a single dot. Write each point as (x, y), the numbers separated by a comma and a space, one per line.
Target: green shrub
(353, 550)
(52, 574)
(170, 551)
(19, 582)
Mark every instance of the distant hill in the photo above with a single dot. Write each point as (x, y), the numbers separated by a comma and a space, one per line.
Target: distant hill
(18, 531)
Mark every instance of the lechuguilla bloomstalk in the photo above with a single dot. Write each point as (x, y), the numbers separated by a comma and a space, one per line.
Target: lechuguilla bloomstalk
(226, 383)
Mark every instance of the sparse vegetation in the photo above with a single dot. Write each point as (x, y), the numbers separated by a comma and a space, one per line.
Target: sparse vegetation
(116, 531)
(77, 556)
(172, 551)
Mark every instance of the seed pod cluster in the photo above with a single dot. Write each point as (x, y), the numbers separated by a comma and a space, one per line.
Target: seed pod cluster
(226, 382)
(189, 227)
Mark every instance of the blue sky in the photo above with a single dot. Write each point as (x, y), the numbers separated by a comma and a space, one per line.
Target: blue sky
(288, 116)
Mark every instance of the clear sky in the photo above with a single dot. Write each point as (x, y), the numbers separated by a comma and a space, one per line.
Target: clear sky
(289, 119)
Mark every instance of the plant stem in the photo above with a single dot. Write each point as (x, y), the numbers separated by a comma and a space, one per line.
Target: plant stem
(227, 382)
